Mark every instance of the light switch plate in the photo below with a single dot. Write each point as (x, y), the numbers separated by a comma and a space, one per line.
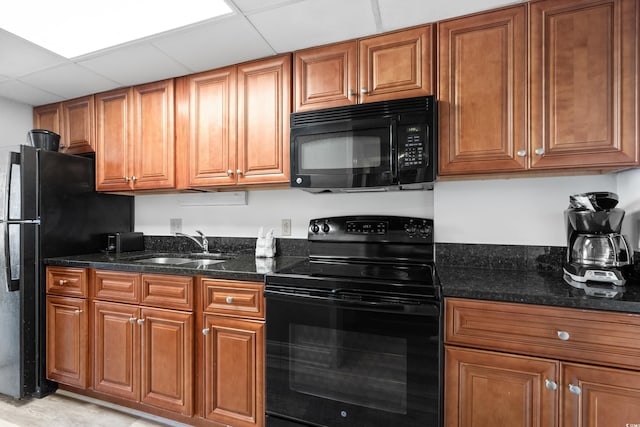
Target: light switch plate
(286, 227)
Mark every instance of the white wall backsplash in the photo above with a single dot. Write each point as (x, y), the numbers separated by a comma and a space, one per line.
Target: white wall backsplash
(629, 195)
(266, 208)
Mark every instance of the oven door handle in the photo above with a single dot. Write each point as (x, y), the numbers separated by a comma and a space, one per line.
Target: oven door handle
(415, 306)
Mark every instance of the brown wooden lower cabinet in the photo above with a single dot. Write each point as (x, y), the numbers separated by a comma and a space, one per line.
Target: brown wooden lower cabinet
(67, 340)
(144, 354)
(496, 387)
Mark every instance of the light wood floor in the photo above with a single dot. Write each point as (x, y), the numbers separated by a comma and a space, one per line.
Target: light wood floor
(63, 410)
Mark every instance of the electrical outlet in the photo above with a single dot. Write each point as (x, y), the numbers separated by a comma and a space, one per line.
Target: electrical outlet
(286, 227)
(175, 225)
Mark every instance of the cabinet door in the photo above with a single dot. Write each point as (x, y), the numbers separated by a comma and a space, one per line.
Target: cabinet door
(113, 140)
(584, 100)
(600, 397)
(482, 93)
(153, 136)
(326, 76)
(167, 359)
(78, 126)
(209, 127)
(234, 371)
(264, 105)
(487, 389)
(68, 341)
(47, 117)
(116, 349)
(397, 65)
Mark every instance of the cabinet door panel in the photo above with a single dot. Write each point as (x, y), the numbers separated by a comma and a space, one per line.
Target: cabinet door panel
(47, 117)
(396, 65)
(212, 123)
(583, 83)
(482, 92)
(167, 360)
(116, 349)
(607, 397)
(78, 126)
(326, 76)
(67, 341)
(154, 135)
(113, 140)
(264, 105)
(486, 389)
(234, 371)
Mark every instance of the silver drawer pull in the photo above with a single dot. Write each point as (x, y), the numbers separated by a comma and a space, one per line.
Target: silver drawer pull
(229, 300)
(521, 153)
(205, 331)
(78, 311)
(539, 151)
(132, 320)
(550, 385)
(140, 321)
(62, 282)
(574, 389)
(563, 335)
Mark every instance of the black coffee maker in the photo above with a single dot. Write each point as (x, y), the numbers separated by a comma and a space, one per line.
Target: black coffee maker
(599, 257)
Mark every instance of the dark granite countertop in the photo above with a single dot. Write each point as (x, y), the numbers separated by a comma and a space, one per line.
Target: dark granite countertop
(530, 287)
(243, 266)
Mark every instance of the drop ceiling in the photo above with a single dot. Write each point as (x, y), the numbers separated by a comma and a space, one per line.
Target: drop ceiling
(33, 75)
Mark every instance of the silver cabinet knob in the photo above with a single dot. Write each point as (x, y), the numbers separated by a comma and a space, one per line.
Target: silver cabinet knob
(62, 282)
(229, 300)
(352, 92)
(229, 172)
(132, 320)
(238, 172)
(134, 178)
(78, 311)
(364, 90)
(140, 321)
(563, 335)
(539, 151)
(205, 331)
(521, 153)
(574, 389)
(126, 179)
(550, 385)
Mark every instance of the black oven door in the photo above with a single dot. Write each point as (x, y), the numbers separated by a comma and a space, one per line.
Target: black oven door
(347, 362)
(346, 154)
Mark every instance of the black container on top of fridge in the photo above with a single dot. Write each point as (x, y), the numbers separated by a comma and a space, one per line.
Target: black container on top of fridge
(48, 208)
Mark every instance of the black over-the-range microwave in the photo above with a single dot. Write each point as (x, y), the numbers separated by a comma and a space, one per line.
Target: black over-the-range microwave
(387, 145)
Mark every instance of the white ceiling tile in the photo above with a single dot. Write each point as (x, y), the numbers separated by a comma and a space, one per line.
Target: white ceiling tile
(20, 57)
(134, 64)
(22, 92)
(313, 23)
(405, 13)
(216, 44)
(69, 81)
(254, 5)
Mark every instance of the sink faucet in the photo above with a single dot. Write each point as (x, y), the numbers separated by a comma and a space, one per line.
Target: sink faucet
(204, 244)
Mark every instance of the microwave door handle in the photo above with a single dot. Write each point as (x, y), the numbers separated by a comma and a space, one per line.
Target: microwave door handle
(393, 152)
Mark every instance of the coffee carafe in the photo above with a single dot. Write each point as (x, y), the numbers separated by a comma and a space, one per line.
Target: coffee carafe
(598, 257)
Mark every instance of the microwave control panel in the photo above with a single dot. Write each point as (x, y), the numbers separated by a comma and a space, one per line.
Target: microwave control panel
(412, 150)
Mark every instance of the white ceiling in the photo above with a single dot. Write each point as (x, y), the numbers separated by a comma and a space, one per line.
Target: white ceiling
(33, 75)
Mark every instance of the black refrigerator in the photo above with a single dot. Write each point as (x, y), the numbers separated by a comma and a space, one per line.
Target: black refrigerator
(48, 208)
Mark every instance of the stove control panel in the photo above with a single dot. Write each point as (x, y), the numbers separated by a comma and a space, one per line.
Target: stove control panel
(372, 228)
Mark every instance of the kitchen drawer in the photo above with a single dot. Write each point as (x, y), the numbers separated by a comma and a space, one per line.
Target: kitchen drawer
(167, 291)
(116, 286)
(243, 299)
(595, 337)
(67, 281)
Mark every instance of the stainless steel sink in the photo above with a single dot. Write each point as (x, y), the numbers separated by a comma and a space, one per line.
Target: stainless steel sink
(188, 261)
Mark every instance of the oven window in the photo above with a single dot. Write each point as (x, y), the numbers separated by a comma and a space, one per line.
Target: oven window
(360, 368)
(340, 150)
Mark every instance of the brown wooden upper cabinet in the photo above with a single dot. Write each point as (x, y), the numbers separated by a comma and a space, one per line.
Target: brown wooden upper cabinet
(135, 138)
(389, 66)
(73, 120)
(580, 92)
(233, 125)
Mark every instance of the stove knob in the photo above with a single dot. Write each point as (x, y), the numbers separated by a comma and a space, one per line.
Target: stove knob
(325, 227)
(425, 231)
(411, 229)
(315, 228)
